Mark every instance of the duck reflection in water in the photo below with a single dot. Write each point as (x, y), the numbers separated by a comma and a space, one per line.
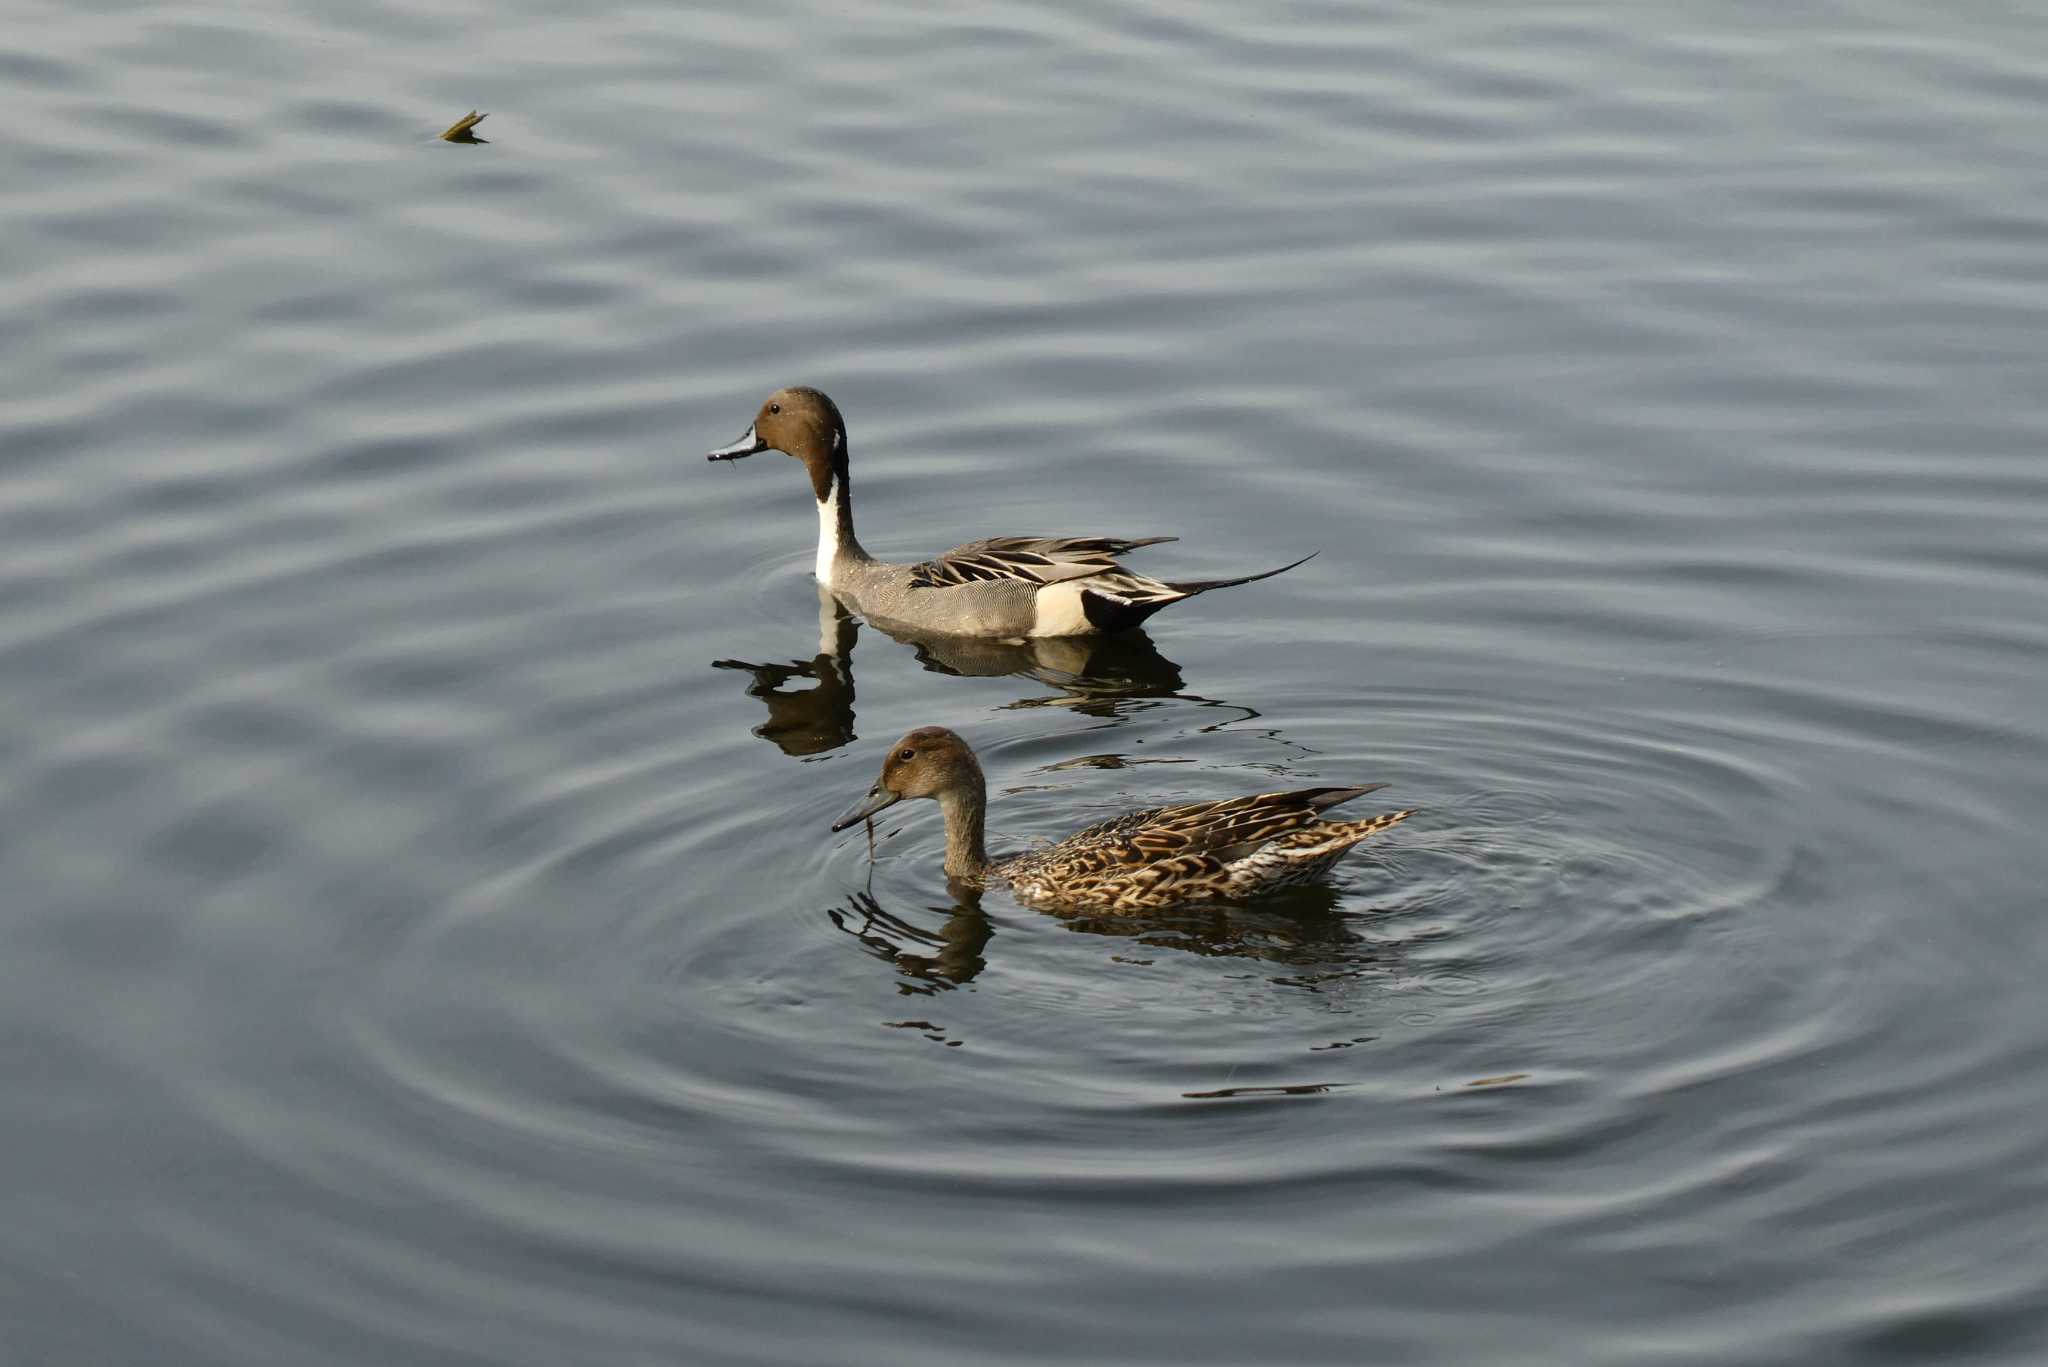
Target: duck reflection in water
(1093, 675)
(1303, 931)
(808, 721)
(930, 961)
(1303, 927)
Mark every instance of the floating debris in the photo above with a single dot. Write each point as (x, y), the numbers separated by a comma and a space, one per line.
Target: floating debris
(1297, 1089)
(459, 130)
(1351, 1043)
(1500, 1081)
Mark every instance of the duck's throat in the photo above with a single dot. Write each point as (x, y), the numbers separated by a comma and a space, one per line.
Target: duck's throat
(965, 810)
(835, 528)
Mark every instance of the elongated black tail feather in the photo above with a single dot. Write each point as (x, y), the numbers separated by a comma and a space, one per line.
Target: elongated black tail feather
(1109, 613)
(1191, 587)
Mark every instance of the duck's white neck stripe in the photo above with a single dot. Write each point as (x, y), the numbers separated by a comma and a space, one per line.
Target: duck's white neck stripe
(828, 534)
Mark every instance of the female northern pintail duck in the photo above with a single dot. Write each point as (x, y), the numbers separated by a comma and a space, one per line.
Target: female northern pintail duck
(1009, 587)
(1200, 852)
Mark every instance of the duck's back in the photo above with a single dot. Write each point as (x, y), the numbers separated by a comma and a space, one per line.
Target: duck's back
(1193, 852)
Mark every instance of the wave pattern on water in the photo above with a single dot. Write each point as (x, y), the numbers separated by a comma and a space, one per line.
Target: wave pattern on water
(424, 940)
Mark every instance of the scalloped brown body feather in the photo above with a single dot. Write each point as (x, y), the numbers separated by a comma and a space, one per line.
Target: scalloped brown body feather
(1204, 851)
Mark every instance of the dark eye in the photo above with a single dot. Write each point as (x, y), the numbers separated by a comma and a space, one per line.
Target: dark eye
(774, 408)
(908, 754)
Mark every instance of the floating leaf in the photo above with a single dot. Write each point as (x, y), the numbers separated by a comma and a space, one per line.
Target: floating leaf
(459, 130)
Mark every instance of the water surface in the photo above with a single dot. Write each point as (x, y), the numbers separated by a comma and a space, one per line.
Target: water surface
(423, 941)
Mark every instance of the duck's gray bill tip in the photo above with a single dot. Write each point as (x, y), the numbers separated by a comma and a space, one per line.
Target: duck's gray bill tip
(748, 444)
(878, 797)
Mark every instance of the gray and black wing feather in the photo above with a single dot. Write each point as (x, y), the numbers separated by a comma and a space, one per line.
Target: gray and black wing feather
(1031, 559)
(1112, 597)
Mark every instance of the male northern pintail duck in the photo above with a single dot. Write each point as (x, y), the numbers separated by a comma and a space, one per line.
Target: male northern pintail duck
(1008, 587)
(1140, 861)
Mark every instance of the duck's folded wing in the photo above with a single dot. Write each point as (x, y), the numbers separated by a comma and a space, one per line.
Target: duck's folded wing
(1230, 829)
(1193, 851)
(1027, 559)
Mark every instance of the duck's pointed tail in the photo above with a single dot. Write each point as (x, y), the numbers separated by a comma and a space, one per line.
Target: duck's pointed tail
(1117, 603)
(1188, 588)
(1305, 854)
(1327, 839)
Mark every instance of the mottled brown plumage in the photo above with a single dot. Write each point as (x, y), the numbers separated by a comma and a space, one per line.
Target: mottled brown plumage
(1194, 852)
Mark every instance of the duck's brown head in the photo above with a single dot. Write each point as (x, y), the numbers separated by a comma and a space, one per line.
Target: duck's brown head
(801, 422)
(928, 762)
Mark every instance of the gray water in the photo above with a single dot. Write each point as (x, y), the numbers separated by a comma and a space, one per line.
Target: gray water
(422, 939)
